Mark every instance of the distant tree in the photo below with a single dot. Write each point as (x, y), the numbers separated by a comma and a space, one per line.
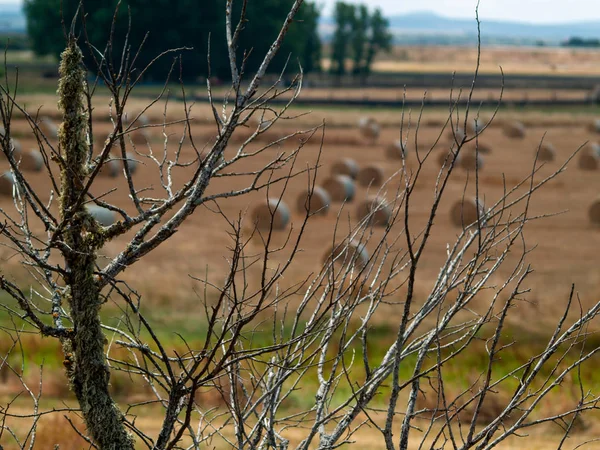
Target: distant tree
(577, 41)
(359, 34)
(360, 37)
(262, 26)
(311, 56)
(380, 38)
(185, 23)
(344, 18)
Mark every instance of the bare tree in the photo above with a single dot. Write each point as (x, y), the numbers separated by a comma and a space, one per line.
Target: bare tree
(319, 328)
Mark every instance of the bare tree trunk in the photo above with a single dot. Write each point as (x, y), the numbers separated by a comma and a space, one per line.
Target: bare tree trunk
(84, 352)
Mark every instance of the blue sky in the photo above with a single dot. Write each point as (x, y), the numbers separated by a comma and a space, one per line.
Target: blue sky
(535, 11)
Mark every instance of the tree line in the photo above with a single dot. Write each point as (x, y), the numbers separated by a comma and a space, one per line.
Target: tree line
(158, 25)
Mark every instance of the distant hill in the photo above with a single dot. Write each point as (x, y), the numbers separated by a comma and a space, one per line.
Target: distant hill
(428, 27)
(12, 19)
(418, 28)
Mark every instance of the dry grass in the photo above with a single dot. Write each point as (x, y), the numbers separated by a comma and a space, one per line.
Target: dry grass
(55, 429)
(201, 243)
(514, 60)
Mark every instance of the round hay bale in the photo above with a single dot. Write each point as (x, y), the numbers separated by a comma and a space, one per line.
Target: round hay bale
(31, 161)
(375, 211)
(340, 188)
(132, 162)
(140, 137)
(547, 152)
(110, 169)
(588, 160)
(369, 128)
(48, 127)
(456, 134)
(272, 213)
(595, 148)
(16, 146)
(483, 148)
(594, 126)
(263, 124)
(594, 212)
(470, 160)
(395, 150)
(143, 119)
(464, 213)
(347, 253)
(316, 203)
(476, 125)
(447, 158)
(478, 147)
(103, 216)
(371, 176)
(7, 184)
(346, 167)
(364, 122)
(515, 130)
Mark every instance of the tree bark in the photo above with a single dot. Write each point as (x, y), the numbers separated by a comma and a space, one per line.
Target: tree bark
(84, 354)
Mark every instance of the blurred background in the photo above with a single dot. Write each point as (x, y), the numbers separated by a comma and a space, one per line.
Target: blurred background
(372, 69)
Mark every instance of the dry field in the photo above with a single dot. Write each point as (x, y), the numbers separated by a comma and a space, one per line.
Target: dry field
(566, 243)
(489, 96)
(514, 60)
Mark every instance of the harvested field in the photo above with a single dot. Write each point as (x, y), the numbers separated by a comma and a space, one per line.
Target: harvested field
(203, 240)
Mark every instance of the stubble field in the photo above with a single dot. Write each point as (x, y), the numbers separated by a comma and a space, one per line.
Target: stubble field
(565, 242)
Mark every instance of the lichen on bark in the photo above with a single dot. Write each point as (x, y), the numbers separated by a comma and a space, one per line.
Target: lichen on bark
(84, 354)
